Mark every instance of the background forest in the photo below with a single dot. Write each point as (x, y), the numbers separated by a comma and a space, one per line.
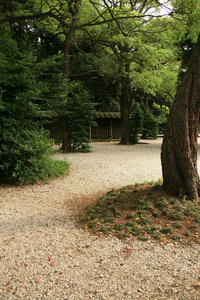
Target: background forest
(76, 57)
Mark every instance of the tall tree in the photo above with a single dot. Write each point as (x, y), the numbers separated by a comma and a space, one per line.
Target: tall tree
(143, 60)
(66, 18)
(73, 14)
(24, 145)
(179, 148)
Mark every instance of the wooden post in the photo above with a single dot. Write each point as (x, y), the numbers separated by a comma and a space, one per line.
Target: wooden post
(90, 133)
(110, 130)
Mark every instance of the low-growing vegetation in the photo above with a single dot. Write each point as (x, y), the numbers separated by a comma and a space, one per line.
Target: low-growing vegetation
(25, 157)
(143, 211)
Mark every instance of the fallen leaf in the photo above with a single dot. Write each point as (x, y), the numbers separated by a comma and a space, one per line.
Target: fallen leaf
(119, 265)
(196, 286)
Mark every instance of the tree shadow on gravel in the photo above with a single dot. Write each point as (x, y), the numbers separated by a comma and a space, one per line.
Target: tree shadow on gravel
(36, 223)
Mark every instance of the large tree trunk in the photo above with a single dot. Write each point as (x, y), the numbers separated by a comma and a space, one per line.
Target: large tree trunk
(179, 148)
(66, 139)
(125, 114)
(73, 7)
(126, 101)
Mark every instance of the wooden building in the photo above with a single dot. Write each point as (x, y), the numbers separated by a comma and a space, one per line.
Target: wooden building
(108, 126)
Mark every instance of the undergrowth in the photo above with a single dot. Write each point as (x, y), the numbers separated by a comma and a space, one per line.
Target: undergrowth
(44, 170)
(144, 211)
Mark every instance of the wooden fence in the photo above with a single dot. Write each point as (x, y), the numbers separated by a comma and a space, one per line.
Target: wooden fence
(108, 127)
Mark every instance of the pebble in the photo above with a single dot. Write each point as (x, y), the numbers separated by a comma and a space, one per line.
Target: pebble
(44, 256)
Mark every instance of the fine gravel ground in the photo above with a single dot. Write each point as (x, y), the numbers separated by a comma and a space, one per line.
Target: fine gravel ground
(44, 256)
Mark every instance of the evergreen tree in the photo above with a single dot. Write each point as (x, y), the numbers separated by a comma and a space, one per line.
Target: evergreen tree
(24, 146)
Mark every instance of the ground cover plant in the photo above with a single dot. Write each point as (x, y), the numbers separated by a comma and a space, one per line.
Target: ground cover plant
(25, 157)
(143, 211)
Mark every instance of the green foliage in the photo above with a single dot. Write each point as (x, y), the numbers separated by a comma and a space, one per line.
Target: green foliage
(144, 123)
(139, 221)
(167, 230)
(136, 123)
(150, 127)
(189, 11)
(81, 111)
(24, 156)
(135, 49)
(50, 83)
(24, 147)
(186, 48)
(161, 113)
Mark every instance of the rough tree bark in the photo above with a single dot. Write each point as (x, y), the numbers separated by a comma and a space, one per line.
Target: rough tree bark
(179, 148)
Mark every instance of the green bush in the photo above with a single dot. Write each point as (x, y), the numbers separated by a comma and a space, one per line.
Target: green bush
(150, 127)
(81, 111)
(24, 157)
(24, 147)
(136, 123)
(142, 123)
(161, 112)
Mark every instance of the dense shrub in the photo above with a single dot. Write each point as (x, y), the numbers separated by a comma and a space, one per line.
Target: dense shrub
(24, 147)
(81, 111)
(150, 127)
(136, 123)
(24, 156)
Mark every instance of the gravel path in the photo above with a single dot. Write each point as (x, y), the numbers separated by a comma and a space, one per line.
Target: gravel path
(43, 255)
